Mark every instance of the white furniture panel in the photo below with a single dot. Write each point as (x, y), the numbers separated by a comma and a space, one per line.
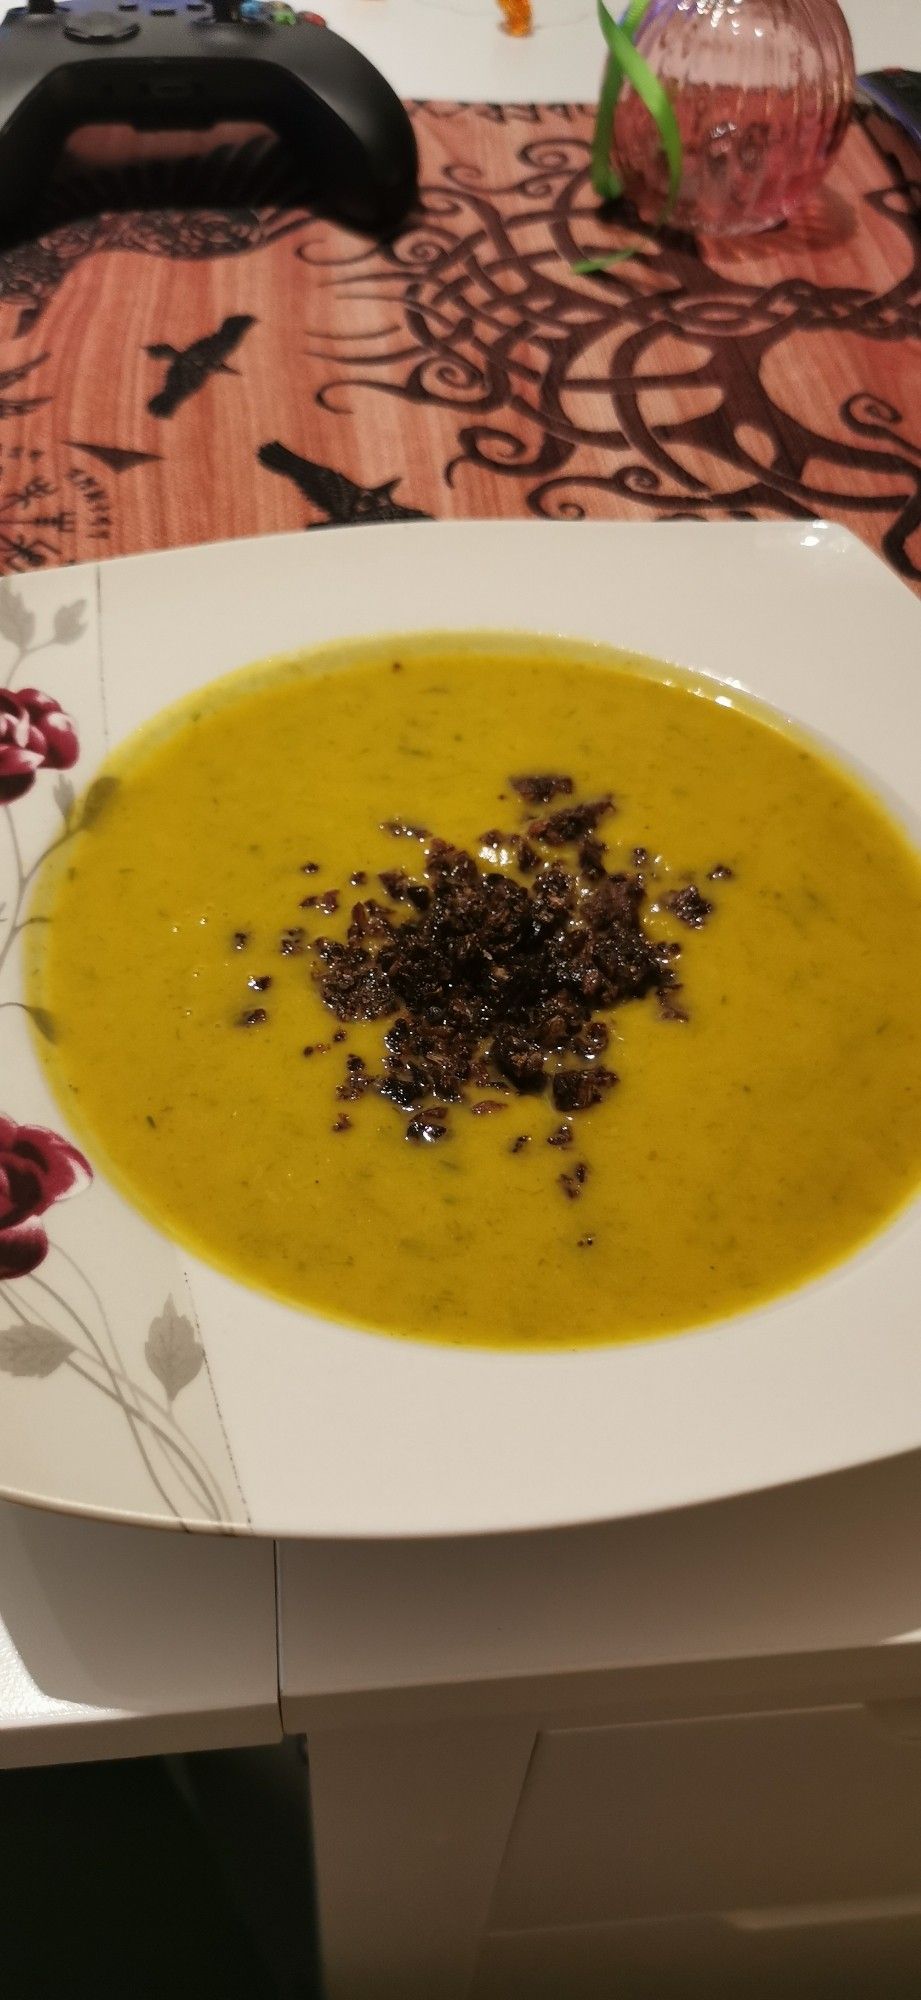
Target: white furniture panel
(810, 1593)
(119, 1641)
(801, 1598)
(848, 1953)
(410, 1827)
(734, 1812)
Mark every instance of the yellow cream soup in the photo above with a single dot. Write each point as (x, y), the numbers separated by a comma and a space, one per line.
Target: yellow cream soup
(742, 1151)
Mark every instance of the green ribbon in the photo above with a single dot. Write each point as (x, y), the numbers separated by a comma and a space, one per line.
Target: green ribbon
(624, 63)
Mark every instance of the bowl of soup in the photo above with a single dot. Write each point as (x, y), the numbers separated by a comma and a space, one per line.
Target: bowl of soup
(501, 1032)
(599, 1051)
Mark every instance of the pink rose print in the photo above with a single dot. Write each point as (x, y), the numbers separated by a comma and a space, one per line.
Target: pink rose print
(34, 734)
(37, 1167)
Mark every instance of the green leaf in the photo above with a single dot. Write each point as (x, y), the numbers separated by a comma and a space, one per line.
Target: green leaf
(590, 265)
(606, 183)
(655, 97)
(625, 62)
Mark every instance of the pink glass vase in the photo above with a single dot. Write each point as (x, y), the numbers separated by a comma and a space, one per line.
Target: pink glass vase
(762, 91)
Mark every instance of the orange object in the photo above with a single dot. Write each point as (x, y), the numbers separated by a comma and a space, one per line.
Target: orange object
(518, 19)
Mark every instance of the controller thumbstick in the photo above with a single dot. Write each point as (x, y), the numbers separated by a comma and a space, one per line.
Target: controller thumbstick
(99, 27)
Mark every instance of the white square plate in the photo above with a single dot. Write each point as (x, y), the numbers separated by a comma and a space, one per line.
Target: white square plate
(223, 1409)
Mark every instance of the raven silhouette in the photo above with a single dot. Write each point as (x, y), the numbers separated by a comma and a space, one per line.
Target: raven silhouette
(341, 499)
(190, 367)
(20, 406)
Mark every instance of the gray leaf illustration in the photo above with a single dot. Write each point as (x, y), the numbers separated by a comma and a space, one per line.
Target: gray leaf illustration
(64, 796)
(172, 1352)
(96, 800)
(16, 623)
(68, 622)
(43, 1021)
(32, 1350)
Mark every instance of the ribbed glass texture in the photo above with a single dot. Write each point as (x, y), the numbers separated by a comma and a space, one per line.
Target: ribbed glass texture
(762, 90)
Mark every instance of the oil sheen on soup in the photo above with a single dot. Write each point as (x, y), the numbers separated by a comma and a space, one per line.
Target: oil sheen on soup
(490, 992)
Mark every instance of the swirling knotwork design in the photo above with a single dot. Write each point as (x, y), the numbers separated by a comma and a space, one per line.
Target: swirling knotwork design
(676, 384)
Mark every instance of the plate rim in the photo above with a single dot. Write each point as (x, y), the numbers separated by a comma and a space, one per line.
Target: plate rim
(828, 538)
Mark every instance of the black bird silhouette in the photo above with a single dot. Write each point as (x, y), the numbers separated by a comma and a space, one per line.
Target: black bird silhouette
(190, 367)
(337, 496)
(20, 406)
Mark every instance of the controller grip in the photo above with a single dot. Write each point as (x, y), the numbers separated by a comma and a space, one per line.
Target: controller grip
(345, 125)
(356, 100)
(31, 132)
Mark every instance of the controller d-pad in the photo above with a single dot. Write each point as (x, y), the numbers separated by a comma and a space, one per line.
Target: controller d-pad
(99, 27)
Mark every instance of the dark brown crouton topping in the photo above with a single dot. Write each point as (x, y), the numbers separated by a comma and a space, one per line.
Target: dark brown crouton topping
(570, 823)
(539, 790)
(494, 970)
(688, 905)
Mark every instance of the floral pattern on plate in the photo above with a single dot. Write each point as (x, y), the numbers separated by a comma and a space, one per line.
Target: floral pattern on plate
(54, 1318)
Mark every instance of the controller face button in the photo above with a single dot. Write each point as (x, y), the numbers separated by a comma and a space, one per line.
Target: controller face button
(99, 27)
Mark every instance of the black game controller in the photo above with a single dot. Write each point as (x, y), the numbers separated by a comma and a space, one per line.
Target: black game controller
(186, 66)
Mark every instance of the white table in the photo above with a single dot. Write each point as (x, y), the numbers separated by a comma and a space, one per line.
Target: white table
(486, 1719)
(451, 48)
(117, 1642)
